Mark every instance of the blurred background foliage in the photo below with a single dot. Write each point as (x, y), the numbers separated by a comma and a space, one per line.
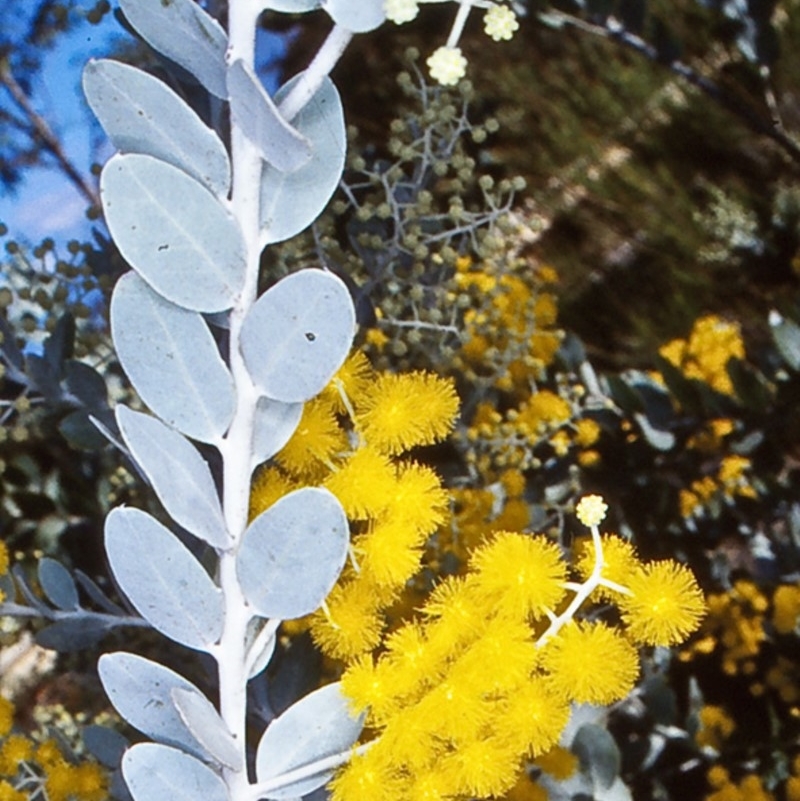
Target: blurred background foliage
(625, 323)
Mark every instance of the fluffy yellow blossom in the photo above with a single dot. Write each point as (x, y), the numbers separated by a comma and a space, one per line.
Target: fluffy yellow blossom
(316, 441)
(447, 65)
(6, 716)
(716, 725)
(417, 499)
(9, 793)
(558, 762)
(4, 559)
(389, 553)
(520, 574)
(403, 411)
(368, 776)
(268, 486)
(587, 432)
(786, 608)
(590, 663)
(482, 767)
(543, 410)
(363, 483)
(705, 355)
(665, 604)
(352, 624)
(352, 381)
(536, 714)
(15, 749)
(619, 561)
(591, 510)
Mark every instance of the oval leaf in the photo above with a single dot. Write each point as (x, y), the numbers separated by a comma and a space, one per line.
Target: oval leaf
(275, 422)
(291, 201)
(178, 474)
(141, 114)
(155, 772)
(74, 633)
(172, 361)
(173, 232)
(261, 122)
(141, 691)
(183, 32)
(359, 17)
(317, 726)
(298, 334)
(57, 584)
(165, 583)
(304, 533)
(208, 728)
(105, 744)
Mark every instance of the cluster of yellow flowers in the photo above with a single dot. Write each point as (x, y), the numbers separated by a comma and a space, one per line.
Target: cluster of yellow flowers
(732, 480)
(712, 343)
(740, 623)
(32, 770)
(510, 340)
(351, 440)
(748, 788)
(735, 621)
(477, 512)
(483, 680)
(509, 331)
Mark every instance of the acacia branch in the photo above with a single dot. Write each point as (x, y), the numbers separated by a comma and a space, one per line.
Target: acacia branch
(38, 127)
(614, 31)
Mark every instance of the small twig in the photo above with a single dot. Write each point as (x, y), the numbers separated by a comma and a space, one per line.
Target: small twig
(39, 128)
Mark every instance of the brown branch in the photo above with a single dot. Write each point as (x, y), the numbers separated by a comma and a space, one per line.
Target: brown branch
(613, 31)
(38, 127)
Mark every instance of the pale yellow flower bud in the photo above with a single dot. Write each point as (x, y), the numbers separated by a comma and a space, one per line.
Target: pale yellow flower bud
(447, 65)
(400, 11)
(591, 510)
(500, 22)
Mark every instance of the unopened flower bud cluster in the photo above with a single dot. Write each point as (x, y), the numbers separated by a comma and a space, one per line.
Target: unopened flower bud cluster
(447, 64)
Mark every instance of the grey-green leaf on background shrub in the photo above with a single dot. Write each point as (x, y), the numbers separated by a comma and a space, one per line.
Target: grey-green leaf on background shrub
(298, 334)
(183, 32)
(141, 114)
(164, 582)
(274, 424)
(258, 118)
(178, 474)
(303, 534)
(598, 754)
(291, 201)
(208, 728)
(317, 726)
(80, 431)
(57, 584)
(155, 772)
(786, 335)
(174, 232)
(74, 633)
(84, 385)
(105, 744)
(359, 17)
(141, 692)
(661, 440)
(170, 357)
